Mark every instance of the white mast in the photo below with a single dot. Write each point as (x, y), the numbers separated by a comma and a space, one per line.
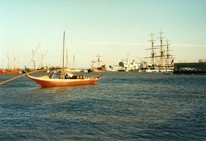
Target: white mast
(62, 70)
(33, 57)
(42, 60)
(73, 61)
(98, 60)
(8, 60)
(67, 58)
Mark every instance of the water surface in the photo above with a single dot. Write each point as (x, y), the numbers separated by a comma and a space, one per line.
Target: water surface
(123, 106)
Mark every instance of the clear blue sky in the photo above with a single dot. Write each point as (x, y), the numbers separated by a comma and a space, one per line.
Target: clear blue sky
(112, 28)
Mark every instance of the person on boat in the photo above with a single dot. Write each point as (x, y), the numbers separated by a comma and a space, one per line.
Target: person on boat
(69, 76)
(73, 76)
(54, 74)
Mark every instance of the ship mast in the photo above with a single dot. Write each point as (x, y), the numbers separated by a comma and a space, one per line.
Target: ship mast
(73, 61)
(168, 57)
(41, 65)
(62, 70)
(33, 57)
(14, 62)
(164, 59)
(162, 55)
(153, 57)
(152, 50)
(98, 60)
(8, 60)
(67, 58)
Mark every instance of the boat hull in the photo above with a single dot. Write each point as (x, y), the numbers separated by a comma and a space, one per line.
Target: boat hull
(12, 71)
(47, 82)
(100, 69)
(72, 70)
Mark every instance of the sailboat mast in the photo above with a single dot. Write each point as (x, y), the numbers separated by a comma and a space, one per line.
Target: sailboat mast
(73, 61)
(8, 58)
(33, 54)
(153, 52)
(67, 59)
(162, 56)
(98, 60)
(62, 70)
(14, 62)
(169, 56)
(63, 49)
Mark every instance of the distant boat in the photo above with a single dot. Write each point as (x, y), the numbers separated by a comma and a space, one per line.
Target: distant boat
(59, 78)
(113, 68)
(164, 62)
(73, 69)
(98, 68)
(44, 69)
(41, 67)
(10, 71)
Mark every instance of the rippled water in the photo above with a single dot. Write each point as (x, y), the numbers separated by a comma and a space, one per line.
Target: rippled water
(123, 106)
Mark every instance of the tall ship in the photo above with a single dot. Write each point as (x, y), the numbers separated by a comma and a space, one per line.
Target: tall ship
(190, 67)
(162, 62)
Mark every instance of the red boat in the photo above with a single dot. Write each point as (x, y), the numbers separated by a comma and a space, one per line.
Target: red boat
(59, 78)
(10, 71)
(46, 81)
